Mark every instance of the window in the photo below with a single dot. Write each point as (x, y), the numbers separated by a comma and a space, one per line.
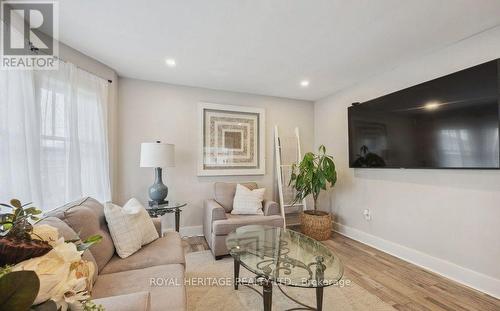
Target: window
(53, 142)
(55, 145)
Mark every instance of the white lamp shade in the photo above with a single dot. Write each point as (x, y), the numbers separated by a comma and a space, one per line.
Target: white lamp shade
(157, 155)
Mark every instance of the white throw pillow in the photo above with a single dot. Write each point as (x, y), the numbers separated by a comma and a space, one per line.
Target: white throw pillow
(130, 227)
(248, 202)
(124, 230)
(146, 225)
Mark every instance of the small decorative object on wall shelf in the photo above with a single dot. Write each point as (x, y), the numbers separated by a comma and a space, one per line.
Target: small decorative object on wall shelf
(313, 174)
(232, 140)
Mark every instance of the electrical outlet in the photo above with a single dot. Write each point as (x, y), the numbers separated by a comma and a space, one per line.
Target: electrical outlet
(367, 214)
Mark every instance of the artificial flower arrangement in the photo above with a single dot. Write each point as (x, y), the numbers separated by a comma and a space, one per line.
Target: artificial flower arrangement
(38, 270)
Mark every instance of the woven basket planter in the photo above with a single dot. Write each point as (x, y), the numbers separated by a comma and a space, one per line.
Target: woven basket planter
(316, 224)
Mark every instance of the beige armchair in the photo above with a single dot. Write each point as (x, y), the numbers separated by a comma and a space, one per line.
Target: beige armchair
(218, 221)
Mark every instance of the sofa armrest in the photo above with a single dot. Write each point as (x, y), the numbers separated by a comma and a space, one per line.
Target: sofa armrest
(130, 302)
(157, 223)
(271, 208)
(211, 211)
(214, 211)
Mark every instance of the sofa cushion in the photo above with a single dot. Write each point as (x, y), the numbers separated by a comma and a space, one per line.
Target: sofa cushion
(224, 193)
(86, 217)
(226, 226)
(130, 302)
(162, 251)
(164, 283)
(69, 234)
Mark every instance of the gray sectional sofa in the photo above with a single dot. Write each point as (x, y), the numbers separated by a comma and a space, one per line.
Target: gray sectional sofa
(143, 281)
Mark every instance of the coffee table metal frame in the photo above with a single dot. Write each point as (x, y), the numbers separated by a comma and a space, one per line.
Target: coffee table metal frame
(315, 268)
(160, 210)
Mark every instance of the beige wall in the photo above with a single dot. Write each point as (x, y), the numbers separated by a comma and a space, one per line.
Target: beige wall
(447, 220)
(150, 111)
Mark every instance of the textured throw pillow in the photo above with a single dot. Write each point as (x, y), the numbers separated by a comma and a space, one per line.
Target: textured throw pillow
(248, 202)
(124, 229)
(130, 226)
(146, 225)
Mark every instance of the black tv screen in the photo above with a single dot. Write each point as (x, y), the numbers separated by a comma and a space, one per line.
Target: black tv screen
(449, 122)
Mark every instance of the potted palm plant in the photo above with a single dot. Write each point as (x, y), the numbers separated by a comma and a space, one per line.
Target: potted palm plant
(314, 173)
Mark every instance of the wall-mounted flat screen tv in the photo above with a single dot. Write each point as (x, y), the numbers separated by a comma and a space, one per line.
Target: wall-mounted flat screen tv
(449, 122)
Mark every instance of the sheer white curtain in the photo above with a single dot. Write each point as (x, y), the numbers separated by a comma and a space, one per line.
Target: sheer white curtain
(53, 136)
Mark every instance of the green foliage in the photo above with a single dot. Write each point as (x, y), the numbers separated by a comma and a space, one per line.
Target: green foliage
(91, 240)
(91, 306)
(83, 245)
(16, 224)
(5, 269)
(18, 290)
(313, 174)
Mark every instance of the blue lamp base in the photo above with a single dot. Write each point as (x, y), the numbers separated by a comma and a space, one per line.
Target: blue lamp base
(158, 191)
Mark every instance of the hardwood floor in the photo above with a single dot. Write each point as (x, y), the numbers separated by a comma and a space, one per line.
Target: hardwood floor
(396, 282)
(194, 244)
(402, 284)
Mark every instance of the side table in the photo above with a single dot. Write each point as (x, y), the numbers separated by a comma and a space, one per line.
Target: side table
(170, 207)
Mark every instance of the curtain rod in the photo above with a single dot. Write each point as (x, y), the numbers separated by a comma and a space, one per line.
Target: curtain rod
(35, 50)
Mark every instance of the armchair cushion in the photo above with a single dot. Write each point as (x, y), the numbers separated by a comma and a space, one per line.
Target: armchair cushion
(224, 193)
(271, 208)
(226, 226)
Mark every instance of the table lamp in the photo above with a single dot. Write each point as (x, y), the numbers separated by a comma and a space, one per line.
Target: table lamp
(157, 155)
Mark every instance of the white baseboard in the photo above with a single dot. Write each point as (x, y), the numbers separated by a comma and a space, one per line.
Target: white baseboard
(191, 231)
(476, 280)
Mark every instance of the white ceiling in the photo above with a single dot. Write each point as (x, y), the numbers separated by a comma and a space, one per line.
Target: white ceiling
(267, 46)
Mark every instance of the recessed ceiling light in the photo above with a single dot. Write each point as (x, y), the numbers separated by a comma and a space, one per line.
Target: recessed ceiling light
(170, 62)
(431, 105)
(304, 83)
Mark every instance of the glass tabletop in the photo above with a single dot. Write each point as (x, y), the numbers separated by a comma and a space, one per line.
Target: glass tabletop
(157, 210)
(171, 204)
(285, 256)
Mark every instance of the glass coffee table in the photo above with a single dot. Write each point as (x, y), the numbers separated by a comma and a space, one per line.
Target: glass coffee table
(283, 257)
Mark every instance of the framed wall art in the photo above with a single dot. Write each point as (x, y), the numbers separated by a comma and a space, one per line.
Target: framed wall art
(231, 139)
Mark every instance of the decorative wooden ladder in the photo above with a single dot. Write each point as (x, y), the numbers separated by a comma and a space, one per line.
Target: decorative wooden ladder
(287, 152)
